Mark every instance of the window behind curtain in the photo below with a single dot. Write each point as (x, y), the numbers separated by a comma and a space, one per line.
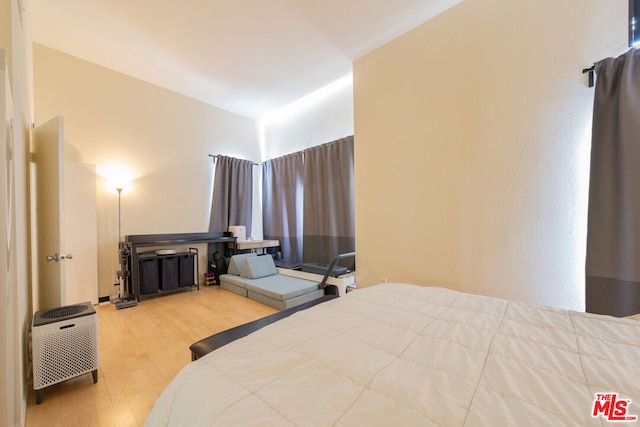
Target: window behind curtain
(232, 194)
(612, 283)
(282, 203)
(329, 207)
(308, 202)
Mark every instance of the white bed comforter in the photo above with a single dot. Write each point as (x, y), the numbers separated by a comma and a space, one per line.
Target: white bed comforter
(404, 355)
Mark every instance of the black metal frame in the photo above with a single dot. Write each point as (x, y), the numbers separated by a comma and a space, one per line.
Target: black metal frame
(323, 284)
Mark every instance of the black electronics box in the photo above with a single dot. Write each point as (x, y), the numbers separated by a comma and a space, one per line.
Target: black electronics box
(319, 268)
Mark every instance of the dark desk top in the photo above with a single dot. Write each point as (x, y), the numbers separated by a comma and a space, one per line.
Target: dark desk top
(177, 238)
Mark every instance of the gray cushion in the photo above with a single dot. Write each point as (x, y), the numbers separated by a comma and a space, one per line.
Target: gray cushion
(227, 282)
(288, 303)
(278, 291)
(235, 265)
(257, 267)
(281, 287)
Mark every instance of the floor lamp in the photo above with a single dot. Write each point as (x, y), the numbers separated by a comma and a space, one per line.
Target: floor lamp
(119, 190)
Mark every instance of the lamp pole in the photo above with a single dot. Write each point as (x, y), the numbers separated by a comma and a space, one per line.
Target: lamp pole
(119, 189)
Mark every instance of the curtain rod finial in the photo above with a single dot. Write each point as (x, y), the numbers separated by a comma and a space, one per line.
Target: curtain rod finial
(591, 71)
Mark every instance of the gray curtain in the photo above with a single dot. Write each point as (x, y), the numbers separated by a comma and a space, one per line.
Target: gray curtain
(329, 207)
(232, 194)
(282, 203)
(613, 232)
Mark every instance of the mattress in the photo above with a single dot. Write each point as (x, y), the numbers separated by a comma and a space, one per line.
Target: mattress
(399, 354)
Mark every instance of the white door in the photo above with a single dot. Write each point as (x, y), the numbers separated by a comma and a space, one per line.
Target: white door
(51, 257)
(66, 223)
(81, 233)
(7, 316)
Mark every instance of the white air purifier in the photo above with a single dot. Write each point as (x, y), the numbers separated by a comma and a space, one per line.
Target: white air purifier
(65, 345)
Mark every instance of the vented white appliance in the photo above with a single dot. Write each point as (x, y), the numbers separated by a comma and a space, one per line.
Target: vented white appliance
(65, 345)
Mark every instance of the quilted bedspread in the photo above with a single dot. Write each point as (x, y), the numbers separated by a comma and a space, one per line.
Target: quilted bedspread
(405, 355)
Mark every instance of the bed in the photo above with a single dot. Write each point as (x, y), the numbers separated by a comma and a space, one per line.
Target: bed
(400, 354)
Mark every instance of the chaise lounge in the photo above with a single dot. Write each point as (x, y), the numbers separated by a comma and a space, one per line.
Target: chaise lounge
(257, 277)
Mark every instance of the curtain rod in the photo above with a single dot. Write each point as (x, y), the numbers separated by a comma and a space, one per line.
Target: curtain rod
(215, 156)
(591, 71)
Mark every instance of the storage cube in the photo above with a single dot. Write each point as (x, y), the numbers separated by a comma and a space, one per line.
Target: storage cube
(149, 275)
(169, 275)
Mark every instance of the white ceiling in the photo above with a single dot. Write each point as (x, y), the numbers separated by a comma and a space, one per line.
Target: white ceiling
(246, 56)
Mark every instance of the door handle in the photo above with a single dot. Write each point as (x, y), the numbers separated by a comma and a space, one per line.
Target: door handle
(57, 257)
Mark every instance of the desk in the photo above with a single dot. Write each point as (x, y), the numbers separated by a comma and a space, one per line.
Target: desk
(257, 244)
(140, 241)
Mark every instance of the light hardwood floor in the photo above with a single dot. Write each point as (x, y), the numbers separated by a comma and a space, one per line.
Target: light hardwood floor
(140, 350)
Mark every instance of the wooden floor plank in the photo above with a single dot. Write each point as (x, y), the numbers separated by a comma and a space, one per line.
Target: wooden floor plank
(140, 350)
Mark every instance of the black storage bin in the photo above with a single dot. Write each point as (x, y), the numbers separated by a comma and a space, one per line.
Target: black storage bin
(149, 275)
(169, 273)
(186, 271)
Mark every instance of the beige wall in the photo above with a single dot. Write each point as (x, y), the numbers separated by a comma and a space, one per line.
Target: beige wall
(162, 138)
(323, 116)
(472, 148)
(15, 314)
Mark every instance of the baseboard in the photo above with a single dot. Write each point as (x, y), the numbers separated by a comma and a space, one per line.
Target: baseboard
(103, 299)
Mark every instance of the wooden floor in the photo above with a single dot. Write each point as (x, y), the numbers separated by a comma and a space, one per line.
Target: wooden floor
(140, 350)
